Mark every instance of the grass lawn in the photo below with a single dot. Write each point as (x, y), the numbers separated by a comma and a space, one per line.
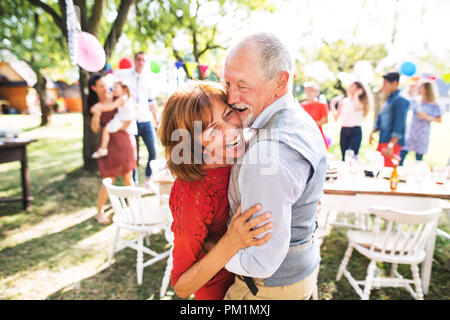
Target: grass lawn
(58, 251)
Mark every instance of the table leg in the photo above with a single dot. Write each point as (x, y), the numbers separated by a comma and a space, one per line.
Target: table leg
(427, 263)
(25, 181)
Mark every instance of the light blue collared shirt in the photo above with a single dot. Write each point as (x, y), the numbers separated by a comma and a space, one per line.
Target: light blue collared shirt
(276, 192)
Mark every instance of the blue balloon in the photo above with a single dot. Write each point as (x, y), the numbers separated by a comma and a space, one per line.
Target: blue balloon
(408, 68)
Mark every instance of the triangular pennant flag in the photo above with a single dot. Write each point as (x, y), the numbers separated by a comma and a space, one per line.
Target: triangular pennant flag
(203, 68)
(190, 66)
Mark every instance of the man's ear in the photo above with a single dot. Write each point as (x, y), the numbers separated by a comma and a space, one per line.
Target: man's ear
(282, 81)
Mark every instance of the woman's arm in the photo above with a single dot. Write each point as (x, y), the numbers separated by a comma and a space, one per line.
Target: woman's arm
(423, 115)
(238, 236)
(336, 113)
(125, 125)
(95, 122)
(103, 107)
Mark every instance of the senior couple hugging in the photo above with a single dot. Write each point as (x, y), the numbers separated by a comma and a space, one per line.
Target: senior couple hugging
(244, 207)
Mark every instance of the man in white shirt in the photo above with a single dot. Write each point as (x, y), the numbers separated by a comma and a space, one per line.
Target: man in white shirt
(141, 94)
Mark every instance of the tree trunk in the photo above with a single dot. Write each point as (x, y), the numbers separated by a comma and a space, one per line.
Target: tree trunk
(41, 88)
(90, 139)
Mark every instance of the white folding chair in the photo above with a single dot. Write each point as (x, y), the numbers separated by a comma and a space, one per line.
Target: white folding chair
(130, 214)
(397, 237)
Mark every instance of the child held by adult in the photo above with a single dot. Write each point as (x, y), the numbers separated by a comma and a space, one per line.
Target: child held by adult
(126, 111)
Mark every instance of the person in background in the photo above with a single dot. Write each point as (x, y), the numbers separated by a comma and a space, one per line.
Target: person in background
(141, 94)
(121, 157)
(126, 111)
(391, 122)
(425, 110)
(352, 110)
(316, 109)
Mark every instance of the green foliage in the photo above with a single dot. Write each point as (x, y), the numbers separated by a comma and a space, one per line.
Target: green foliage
(197, 21)
(32, 37)
(340, 57)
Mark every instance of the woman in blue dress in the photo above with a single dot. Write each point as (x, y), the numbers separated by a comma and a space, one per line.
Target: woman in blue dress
(424, 111)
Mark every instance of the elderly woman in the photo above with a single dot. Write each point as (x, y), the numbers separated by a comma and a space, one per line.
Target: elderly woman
(198, 199)
(121, 158)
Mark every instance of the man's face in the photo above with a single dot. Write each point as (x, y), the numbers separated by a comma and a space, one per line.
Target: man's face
(311, 93)
(247, 90)
(139, 62)
(389, 87)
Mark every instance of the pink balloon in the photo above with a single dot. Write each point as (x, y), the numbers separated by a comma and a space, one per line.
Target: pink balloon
(91, 55)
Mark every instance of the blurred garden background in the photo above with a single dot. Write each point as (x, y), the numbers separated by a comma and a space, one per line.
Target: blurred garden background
(56, 250)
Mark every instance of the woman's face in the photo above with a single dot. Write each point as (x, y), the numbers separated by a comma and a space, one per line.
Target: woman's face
(117, 90)
(222, 139)
(351, 90)
(100, 88)
(422, 90)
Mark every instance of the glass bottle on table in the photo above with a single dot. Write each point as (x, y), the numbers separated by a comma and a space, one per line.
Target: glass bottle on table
(394, 177)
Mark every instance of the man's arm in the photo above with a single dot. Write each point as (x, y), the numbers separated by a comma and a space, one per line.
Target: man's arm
(277, 193)
(152, 107)
(400, 112)
(324, 119)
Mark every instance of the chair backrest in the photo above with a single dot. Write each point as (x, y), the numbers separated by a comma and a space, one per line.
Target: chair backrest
(126, 203)
(400, 233)
(164, 180)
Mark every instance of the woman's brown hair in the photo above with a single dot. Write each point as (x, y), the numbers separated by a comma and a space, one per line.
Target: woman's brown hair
(187, 105)
(365, 98)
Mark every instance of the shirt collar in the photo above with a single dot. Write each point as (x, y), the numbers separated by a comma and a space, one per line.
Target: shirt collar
(136, 74)
(281, 103)
(394, 94)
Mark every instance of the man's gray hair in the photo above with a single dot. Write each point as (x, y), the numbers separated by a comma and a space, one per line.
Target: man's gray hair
(275, 56)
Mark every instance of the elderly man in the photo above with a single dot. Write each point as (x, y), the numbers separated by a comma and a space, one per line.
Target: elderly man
(258, 77)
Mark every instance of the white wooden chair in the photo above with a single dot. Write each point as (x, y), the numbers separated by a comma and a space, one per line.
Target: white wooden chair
(130, 214)
(163, 181)
(397, 237)
(163, 194)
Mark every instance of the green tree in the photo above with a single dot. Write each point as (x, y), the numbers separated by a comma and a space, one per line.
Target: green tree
(92, 20)
(32, 37)
(340, 56)
(196, 19)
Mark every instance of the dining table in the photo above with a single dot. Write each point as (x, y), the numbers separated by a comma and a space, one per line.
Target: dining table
(15, 149)
(356, 189)
(350, 190)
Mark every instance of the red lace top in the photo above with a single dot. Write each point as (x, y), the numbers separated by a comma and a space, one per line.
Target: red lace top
(200, 209)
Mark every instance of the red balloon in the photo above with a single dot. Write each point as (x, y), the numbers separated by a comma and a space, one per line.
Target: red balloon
(125, 63)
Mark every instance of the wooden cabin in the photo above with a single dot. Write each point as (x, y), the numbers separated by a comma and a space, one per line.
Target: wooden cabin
(16, 90)
(16, 81)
